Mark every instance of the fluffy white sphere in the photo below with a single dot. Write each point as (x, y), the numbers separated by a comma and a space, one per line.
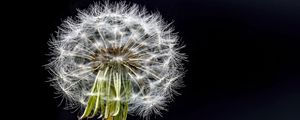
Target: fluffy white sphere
(142, 43)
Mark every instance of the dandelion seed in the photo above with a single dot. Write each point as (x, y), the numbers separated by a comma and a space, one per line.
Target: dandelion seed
(114, 59)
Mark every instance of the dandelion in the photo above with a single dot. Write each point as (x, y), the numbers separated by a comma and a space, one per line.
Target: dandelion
(115, 59)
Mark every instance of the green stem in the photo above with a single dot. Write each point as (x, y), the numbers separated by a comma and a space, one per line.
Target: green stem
(109, 94)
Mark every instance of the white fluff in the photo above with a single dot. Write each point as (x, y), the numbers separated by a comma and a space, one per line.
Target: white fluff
(105, 26)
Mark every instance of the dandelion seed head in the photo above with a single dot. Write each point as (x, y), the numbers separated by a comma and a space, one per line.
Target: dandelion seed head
(125, 35)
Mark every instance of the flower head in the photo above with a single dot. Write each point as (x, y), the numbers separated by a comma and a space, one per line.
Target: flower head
(116, 58)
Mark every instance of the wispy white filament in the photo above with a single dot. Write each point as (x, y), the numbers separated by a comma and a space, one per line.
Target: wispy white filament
(144, 40)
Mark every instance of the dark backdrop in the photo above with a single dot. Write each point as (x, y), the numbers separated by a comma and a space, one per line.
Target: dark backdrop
(243, 58)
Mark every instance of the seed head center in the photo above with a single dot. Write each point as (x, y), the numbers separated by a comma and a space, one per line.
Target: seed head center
(117, 59)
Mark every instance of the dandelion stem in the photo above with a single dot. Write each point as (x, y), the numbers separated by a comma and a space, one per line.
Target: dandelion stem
(110, 86)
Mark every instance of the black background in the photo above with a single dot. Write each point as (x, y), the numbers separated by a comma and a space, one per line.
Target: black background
(243, 58)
